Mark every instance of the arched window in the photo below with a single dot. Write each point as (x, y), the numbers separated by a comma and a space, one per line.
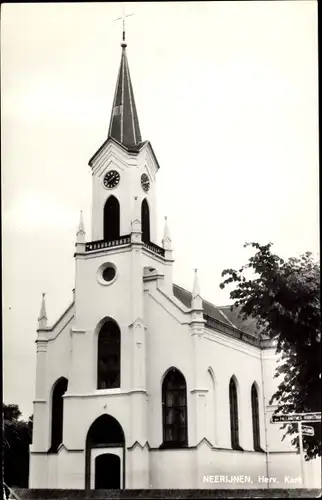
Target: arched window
(145, 221)
(233, 402)
(174, 406)
(109, 356)
(111, 219)
(57, 414)
(255, 418)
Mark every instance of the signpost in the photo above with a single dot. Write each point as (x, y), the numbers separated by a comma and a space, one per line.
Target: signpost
(305, 430)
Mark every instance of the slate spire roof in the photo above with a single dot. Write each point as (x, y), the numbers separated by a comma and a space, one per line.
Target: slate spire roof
(124, 124)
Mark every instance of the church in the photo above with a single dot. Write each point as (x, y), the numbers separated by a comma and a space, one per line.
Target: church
(141, 383)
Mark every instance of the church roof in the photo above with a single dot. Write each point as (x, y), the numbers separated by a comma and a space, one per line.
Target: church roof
(124, 124)
(221, 313)
(246, 325)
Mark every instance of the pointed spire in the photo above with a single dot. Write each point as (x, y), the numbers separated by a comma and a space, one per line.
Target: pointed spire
(196, 302)
(166, 240)
(80, 233)
(42, 320)
(124, 123)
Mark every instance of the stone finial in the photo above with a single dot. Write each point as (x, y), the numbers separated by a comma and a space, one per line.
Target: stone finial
(166, 240)
(196, 302)
(80, 234)
(196, 285)
(42, 320)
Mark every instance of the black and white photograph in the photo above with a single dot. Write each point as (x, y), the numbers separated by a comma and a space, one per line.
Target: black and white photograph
(160, 250)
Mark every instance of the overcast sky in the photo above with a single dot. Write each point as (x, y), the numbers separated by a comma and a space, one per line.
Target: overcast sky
(227, 94)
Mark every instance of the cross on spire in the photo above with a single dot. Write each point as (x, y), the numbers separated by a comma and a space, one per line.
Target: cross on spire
(123, 17)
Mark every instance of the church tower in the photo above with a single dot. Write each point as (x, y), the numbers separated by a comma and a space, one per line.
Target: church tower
(92, 403)
(124, 170)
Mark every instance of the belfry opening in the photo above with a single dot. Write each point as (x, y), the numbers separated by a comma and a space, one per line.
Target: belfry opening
(145, 221)
(111, 219)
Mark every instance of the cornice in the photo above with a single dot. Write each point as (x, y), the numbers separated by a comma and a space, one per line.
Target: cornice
(105, 393)
(102, 252)
(232, 343)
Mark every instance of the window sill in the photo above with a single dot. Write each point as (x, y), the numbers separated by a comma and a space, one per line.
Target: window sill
(52, 451)
(173, 446)
(259, 449)
(237, 447)
(116, 390)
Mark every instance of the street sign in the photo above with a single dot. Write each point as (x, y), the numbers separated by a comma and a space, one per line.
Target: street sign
(307, 430)
(296, 417)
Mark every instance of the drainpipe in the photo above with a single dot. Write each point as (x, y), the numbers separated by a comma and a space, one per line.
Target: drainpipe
(265, 419)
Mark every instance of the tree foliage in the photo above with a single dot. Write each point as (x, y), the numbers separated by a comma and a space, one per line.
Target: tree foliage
(284, 298)
(16, 440)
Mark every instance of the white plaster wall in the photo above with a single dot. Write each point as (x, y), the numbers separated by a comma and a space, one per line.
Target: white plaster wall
(274, 431)
(58, 358)
(88, 408)
(172, 469)
(286, 466)
(138, 468)
(235, 469)
(38, 470)
(168, 344)
(71, 467)
(53, 471)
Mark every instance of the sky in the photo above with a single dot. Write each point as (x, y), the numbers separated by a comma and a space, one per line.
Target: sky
(227, 93)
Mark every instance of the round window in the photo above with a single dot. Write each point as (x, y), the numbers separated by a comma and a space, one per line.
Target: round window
(106, 273)
(109, 273)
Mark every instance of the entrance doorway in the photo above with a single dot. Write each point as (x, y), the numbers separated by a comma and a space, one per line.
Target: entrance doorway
(105, 455)
(107, 472)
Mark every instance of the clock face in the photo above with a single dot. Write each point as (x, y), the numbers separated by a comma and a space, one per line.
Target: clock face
(111, 179)
(145, 183)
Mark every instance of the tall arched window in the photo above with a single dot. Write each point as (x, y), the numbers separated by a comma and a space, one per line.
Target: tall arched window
(233, 402)
(174, 407)
(145, 221)
(255, 418)
(111, 219)
(57, 414)
(109, 356)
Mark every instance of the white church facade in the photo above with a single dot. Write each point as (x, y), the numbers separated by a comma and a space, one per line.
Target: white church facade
(140, 383)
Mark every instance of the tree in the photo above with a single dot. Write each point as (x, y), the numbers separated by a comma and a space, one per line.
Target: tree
(284, 298)
(16, 438)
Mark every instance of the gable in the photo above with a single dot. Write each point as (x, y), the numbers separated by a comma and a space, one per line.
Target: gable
(136, 149)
